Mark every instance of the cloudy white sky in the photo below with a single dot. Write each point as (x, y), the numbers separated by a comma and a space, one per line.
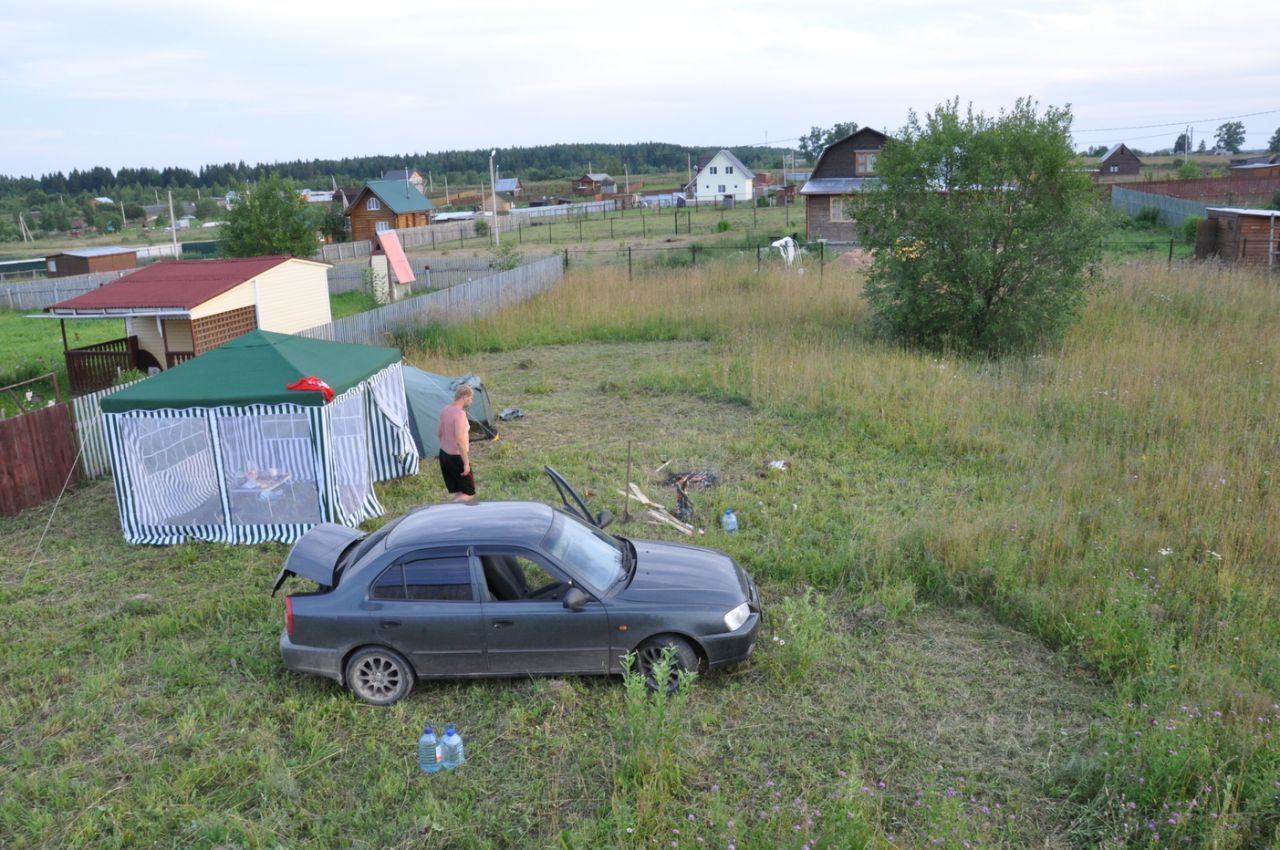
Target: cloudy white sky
(139, 82)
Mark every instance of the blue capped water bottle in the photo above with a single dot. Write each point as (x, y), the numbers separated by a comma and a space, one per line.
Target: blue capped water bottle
(729, 522)
(429, 754)
(451, 748)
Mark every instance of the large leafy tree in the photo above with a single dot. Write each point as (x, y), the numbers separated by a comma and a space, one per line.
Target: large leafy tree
(983, 230)
(812, 143)
(1230, 136)
(269, 217)
(1274, 143)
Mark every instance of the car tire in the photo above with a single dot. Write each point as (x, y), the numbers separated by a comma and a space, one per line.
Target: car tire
(378, 675)
(649, 653)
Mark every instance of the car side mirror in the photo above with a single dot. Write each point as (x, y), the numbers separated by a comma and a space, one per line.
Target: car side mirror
(603, 518)
(574, 598)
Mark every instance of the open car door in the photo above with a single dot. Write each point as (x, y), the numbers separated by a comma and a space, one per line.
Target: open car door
(574, 503)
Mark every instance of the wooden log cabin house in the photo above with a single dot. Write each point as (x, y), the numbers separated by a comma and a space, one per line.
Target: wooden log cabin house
(383, 205)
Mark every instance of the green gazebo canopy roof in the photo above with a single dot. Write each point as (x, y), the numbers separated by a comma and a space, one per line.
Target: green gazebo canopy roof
(255, 369)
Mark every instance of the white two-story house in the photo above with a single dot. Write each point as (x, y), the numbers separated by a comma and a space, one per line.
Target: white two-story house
(722, 178)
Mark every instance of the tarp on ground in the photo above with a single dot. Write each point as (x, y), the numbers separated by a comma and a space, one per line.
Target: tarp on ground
(217, 449)
(428, 394)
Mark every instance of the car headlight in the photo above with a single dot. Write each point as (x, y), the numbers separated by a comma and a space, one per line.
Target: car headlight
(735, 618)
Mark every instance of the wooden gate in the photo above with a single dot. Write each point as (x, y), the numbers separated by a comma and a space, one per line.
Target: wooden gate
(37, 450)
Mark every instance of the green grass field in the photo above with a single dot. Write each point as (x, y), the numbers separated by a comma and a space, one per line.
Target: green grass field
(1022, 603)
(33, 347)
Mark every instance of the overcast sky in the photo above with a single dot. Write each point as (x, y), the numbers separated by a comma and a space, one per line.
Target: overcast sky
(138, 82)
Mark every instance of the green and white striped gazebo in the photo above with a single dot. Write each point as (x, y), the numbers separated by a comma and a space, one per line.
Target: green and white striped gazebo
(219, 449)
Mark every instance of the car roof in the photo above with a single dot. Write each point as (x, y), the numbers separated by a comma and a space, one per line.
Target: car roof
(477, 523)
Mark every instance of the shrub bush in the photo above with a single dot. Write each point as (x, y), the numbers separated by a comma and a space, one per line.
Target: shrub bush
(1189, 229)
(1147, 216)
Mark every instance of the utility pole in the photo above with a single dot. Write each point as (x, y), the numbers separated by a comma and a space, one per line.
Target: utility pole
(493, 190)
(173, 227)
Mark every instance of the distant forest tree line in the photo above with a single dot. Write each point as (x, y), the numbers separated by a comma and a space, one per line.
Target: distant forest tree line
(53, 200)
(544, 162)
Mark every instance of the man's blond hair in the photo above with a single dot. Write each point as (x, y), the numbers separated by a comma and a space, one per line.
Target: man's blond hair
(462, 392)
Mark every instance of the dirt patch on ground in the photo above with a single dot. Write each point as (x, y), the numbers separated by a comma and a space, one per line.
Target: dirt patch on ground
(855, 260)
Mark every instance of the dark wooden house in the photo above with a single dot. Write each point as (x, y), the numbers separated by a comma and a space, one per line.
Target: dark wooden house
(383, 205)
(844, 167)
(90, 260)
(595, 184)
(1245, 236)
(1119, 161)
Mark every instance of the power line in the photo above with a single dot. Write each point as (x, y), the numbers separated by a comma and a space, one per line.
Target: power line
(1179, 123)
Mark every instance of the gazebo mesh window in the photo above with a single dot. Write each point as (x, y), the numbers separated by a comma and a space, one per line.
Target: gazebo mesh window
(173, 472)
(350, 451)
(270, 468)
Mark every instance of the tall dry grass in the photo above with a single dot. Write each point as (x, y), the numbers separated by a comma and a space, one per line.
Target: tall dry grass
(1114, 494)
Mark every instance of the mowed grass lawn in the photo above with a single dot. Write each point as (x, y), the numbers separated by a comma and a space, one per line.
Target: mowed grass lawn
(1026, 603)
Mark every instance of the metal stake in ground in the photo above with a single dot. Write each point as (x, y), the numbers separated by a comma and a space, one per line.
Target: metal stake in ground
(626, 506)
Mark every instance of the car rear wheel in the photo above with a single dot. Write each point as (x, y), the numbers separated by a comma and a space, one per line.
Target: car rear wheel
(683, 657)
(379, 676)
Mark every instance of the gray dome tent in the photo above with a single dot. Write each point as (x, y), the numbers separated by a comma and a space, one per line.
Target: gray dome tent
(429, 394)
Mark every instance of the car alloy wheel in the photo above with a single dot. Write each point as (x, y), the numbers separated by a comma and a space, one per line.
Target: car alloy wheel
(683, 657)
(379, 676)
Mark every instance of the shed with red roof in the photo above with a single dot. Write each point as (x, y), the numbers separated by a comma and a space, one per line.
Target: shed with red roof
(173, 311)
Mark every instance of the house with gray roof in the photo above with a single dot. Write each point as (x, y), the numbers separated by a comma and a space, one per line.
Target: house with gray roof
(411, 174)
(843, 168)
(721, 178)
(595, 184)
(1119, 161)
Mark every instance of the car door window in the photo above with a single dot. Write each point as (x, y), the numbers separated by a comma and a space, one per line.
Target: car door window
(516, 577)
(441, 579)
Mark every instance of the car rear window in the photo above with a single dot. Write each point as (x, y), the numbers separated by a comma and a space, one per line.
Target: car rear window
(426, 579)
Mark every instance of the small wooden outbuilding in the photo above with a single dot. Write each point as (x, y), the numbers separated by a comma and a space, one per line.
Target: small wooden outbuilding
(174, 311)
(90, 260)
(1240, 236)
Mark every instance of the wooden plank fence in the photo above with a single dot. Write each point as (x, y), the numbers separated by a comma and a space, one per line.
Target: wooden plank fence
(37, 457)
(455, 304)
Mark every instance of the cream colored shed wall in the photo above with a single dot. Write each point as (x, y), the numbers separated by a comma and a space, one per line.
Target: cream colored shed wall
(146, 329)
(178, 332)
(293, 296)
(233, 299)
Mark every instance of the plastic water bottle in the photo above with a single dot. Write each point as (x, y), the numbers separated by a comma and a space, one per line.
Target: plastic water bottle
(451, 748)
(729, 522)
(429, 751)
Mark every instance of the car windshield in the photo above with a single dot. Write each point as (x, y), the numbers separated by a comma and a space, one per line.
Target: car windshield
(588, 552)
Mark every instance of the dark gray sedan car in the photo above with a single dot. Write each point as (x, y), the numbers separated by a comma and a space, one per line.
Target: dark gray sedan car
(506, 589)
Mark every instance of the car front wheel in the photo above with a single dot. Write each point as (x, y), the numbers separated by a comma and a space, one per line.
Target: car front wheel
(379, 676)
(683, 657)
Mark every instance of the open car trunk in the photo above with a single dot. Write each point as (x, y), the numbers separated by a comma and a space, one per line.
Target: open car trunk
(317, 555)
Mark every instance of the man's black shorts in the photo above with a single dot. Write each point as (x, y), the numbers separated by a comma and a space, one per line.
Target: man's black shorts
(454, 480)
